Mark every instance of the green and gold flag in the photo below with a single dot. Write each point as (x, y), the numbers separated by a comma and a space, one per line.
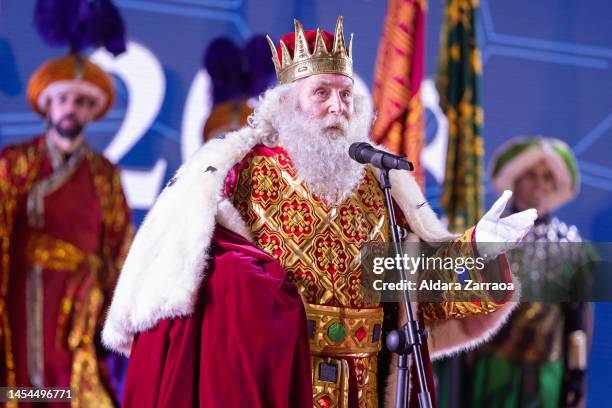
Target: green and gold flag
(462, 196)
(458, 84)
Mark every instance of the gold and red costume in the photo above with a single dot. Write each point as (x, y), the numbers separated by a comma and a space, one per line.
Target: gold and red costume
(319, 246)
(60, 260)
(64, 230)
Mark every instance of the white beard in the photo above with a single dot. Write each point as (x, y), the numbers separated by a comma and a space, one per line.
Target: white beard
(319, 154)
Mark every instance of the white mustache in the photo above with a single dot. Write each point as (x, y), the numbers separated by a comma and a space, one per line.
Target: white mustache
(339, 122)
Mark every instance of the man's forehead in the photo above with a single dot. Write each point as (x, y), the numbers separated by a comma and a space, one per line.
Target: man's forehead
(540, 166)
(72, 93)
(331, 80)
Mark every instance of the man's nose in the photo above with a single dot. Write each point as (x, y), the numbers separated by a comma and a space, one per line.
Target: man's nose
(335, 104)
(70, 106)
(538, 181)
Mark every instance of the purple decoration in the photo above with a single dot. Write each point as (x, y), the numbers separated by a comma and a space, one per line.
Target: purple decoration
(224, 62)
(108, 27)
(260, 66)
(239, 73)
(80, 24)
(82, 33)
(54, 20)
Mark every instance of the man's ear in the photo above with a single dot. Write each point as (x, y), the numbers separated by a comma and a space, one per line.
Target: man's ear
(47, 107)
(90, 116)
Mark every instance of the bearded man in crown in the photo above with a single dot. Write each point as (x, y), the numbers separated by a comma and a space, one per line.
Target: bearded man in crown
(242, 287)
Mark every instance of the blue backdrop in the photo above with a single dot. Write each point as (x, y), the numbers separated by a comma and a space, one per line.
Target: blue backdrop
(547, 70)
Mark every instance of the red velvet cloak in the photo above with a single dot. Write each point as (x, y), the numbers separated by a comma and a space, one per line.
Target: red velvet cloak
(245, 344)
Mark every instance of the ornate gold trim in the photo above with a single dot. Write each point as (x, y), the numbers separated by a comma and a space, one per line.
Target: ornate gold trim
(327, 393)
(351, 321)
(48, 252)
(34, 313)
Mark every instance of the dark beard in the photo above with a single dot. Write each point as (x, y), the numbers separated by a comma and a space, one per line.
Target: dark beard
(70, 133)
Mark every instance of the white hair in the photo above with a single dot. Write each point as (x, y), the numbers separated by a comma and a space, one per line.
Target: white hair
(320, 155)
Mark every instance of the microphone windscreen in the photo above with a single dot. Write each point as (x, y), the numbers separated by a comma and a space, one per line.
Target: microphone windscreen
(355, 151)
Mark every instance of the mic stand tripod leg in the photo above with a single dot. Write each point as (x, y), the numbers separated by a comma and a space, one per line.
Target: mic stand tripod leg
(401, 393)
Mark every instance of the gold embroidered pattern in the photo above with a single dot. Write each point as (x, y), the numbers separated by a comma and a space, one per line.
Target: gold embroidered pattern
(449, 308)
(330, 392)
(319, 247)
(366, 374)
(18, 170)
(317, 244)
(330, 381)
(85, 377)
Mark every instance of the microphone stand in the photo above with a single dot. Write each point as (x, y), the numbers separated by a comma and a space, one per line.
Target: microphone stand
(410, 337)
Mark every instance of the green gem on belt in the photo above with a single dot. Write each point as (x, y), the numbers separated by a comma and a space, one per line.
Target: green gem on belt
(336, 332)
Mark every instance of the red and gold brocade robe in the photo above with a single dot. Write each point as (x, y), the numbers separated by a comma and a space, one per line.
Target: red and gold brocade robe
(64, 227)
(318, 245)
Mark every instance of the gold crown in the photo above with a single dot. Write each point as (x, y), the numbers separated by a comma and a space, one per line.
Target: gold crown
(320, 61)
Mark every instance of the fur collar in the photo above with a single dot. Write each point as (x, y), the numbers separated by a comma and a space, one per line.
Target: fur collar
(165, 265)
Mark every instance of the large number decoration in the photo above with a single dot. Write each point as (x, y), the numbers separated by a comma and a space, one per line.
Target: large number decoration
(144, 79)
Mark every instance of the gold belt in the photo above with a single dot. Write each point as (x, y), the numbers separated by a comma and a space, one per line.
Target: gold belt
(344, 332)
(79, 316)
(49, 252)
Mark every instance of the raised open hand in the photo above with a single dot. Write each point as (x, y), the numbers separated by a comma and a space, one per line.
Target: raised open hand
(496, 235)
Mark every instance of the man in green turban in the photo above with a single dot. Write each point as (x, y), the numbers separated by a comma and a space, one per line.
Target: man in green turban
(539, 358)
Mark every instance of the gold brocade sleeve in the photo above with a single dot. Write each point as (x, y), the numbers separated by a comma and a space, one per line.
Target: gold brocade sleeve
(482, 290)
(19, 167)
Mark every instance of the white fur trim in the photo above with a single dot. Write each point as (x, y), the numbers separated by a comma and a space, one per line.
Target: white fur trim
(421, 218)
(229, 217)
(79, 85)
(164, 266)
(448, 337)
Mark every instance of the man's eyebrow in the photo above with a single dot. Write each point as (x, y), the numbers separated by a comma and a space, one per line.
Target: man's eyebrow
(327, 82)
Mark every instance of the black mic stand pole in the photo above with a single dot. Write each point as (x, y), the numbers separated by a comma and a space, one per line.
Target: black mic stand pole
(410, 337)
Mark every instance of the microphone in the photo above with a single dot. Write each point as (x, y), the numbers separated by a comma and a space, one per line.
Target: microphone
(364, 153)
